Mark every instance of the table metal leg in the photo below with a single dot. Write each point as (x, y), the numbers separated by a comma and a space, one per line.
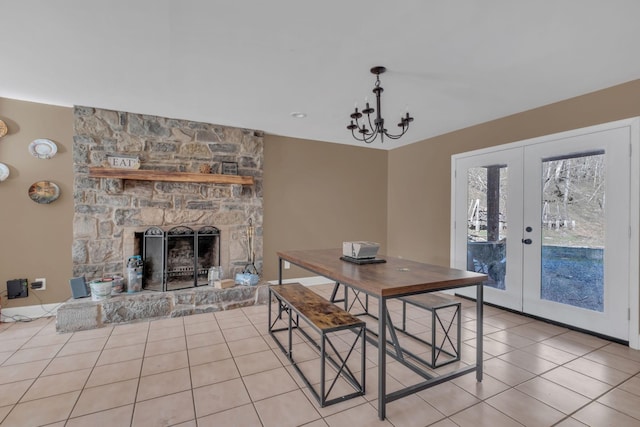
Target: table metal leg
(382, 357)
(269, 308)
(346, 299)
(334, 294)
(479, 320)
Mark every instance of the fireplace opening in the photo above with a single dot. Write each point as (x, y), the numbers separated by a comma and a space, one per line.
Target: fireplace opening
(178, 258)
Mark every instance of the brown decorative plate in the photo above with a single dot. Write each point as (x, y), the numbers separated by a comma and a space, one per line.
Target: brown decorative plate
(3, 129)
(44, 192)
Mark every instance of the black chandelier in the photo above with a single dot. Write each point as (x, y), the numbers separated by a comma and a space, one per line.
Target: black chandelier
(369, 134)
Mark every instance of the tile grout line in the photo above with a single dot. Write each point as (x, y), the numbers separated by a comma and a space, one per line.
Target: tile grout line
(40, 376)
(595, 400)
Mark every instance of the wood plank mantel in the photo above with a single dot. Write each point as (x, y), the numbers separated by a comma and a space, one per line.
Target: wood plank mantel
(155, 175)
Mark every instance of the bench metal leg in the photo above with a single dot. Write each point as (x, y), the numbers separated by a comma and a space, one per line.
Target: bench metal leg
(323, 353)
(340, 366)
(271, 324)
(290, 334)
(437, 348)
(291, 324)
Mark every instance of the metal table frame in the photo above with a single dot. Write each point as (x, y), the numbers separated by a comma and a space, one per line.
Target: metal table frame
(383, 323)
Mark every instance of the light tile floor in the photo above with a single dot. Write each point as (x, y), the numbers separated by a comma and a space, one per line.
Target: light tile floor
(223, 369)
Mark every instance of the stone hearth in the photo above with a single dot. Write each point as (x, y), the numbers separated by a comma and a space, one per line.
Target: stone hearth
(83, 314)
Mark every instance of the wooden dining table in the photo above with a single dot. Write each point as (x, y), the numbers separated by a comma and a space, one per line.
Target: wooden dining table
(393, 278)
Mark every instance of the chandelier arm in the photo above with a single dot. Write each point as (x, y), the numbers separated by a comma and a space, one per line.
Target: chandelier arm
(372, 136)
(393, 136)
(397, 136)
(356, 137)
(364, 138)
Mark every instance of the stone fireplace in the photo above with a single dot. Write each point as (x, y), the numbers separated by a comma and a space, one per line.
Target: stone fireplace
(111, 212)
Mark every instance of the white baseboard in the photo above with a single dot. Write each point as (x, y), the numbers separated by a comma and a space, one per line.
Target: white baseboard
(306, 281)
(17, 314)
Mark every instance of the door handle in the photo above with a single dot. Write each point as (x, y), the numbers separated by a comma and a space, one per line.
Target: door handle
(527, 241)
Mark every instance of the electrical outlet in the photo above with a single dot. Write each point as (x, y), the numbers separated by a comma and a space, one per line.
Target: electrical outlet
(44, 284)
(287, 265)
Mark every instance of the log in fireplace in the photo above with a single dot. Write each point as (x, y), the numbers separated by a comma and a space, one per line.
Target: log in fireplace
(178, 258)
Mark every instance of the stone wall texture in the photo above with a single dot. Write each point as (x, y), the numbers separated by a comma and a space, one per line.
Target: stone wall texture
(109, 211)
(84, 314)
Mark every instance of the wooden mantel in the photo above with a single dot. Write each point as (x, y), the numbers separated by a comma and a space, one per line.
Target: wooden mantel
(155, 175)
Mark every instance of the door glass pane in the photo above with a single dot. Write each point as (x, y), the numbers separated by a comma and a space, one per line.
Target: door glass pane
(487, 223)
(573, 230)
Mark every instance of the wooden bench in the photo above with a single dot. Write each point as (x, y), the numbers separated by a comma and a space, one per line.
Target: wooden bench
(434, 303)
(324, 318)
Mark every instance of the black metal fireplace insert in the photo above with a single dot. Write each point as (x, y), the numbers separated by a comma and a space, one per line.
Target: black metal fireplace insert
(178, 258)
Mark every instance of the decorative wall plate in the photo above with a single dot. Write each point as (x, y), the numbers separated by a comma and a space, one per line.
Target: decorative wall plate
(44, 192)
(3, 129)
(4, 172)
(43, 148)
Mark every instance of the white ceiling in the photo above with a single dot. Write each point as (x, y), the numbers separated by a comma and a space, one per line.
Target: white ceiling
(250, 63)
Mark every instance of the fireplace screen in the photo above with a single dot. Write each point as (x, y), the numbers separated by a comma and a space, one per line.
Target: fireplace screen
(179, 258)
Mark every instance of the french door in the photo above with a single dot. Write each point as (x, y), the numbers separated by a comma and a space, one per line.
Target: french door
(548, 220)
(488, 220)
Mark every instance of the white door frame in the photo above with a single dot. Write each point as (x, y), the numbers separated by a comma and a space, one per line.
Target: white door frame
(633, 126)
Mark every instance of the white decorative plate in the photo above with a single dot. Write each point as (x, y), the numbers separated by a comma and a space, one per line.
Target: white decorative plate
(43, 148)
(4, 172)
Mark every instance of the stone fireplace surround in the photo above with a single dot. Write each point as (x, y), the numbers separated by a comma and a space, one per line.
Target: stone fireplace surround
(108, 212)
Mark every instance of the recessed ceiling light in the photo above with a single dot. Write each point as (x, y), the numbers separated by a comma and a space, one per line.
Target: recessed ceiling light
(298, 115)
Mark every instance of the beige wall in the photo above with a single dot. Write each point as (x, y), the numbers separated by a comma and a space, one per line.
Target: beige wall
(420, 174)
(317, 194)
(35, 239)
